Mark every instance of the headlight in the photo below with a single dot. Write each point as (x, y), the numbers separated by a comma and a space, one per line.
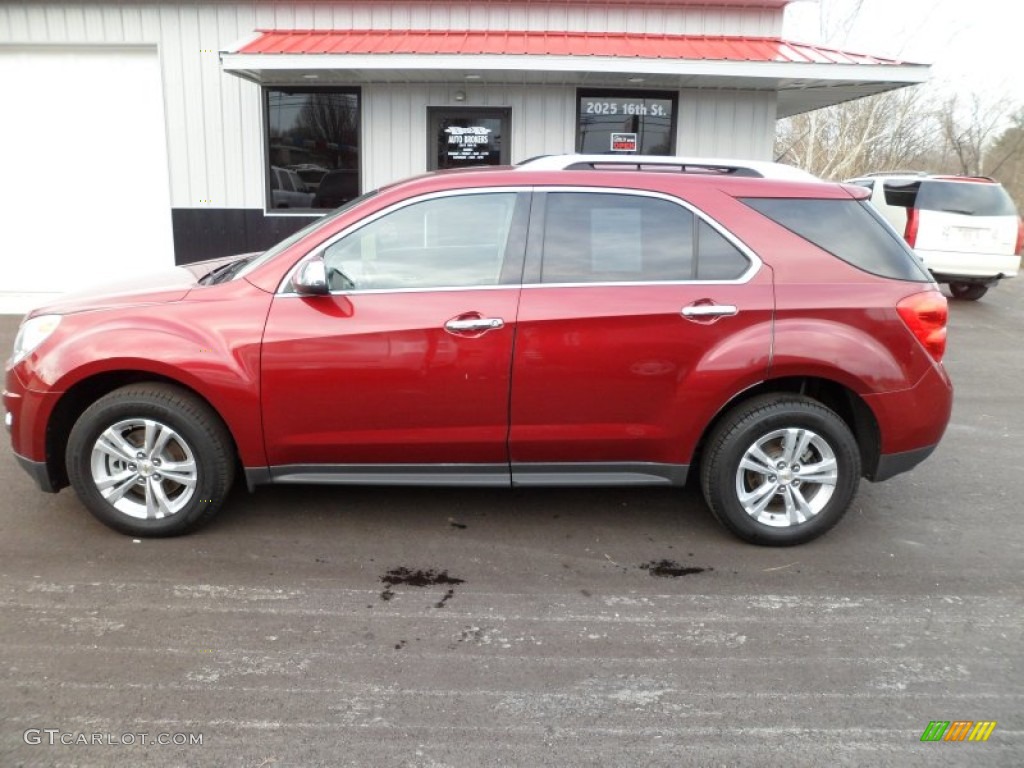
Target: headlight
(33, 333)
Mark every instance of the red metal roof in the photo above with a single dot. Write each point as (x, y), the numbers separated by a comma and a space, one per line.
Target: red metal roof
(616, 44)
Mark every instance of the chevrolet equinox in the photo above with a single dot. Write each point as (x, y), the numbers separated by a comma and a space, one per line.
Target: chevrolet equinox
(572, 321)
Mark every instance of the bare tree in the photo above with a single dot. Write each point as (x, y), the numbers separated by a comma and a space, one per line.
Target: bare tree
(1005, 159)
(889, 131)
(916, 128)
(968, 128)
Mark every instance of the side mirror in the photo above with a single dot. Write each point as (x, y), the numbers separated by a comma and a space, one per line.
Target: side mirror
(311, 279)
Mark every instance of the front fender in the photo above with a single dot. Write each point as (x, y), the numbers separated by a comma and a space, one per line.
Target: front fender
(212, 348)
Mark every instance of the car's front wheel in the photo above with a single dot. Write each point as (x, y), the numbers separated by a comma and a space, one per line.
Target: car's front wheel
(780, 470)
(150, 460)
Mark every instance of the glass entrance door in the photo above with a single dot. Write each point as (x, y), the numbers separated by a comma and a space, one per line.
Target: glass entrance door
(466, 136)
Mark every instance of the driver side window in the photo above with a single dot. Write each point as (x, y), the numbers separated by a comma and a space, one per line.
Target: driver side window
(455, 241)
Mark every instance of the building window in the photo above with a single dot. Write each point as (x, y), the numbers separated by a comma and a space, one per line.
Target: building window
(312, 147)
(631, 122)
(466, 136)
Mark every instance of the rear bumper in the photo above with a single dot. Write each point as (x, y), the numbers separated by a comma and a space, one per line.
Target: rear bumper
(911, 422)
(892, 464)
(952, 264)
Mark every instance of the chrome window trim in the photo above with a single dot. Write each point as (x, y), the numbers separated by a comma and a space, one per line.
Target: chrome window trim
(746, 277)
(624, 284)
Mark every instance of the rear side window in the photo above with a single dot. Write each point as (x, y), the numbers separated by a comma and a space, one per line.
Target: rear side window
(605, 238)
(610, 238)
(848, 229)
(964, 197)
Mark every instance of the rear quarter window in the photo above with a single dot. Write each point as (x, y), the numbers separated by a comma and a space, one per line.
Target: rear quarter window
(848, 229)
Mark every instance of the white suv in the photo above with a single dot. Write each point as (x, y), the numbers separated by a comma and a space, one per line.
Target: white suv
(965, 229)
(288, 190)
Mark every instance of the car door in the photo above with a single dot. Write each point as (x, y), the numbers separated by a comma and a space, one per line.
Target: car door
(402, 372)
(637, 318)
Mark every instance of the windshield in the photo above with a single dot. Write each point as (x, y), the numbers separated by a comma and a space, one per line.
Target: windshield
(289, 241)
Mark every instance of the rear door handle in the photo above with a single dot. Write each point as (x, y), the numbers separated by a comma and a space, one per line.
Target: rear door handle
(698, 311)
(474, 324)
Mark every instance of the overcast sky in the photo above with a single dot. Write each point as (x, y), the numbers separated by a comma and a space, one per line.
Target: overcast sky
(974, 46)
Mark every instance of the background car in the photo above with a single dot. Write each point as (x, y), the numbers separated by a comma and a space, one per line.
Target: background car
(337, 188)
(287, 190)
(310, 175)
(965, 229)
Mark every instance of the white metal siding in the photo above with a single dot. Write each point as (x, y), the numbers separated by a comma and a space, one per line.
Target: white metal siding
(727, 123)
(214, 131)
(395, 123)
(511, 15)
(710, 123)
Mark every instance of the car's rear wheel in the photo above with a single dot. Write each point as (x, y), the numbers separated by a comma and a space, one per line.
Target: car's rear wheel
(780, 470)
(967, 291)
(150, 460)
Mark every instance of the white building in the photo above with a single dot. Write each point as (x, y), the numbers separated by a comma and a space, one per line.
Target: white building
(145, 134)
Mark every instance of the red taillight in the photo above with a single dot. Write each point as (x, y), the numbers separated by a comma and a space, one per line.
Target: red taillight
(910, 233)
(1019, 246)
(925, 315)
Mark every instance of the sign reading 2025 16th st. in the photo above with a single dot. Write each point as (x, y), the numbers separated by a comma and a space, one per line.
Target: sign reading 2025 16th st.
(628, 107)
(624, 142)
(470, 143)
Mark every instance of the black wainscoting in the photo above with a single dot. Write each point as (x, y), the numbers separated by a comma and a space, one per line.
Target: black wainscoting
(207, 233)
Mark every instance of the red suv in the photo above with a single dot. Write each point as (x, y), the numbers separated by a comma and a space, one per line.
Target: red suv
(571, 321)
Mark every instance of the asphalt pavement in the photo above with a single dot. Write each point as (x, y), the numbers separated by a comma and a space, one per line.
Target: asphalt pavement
(402, 627)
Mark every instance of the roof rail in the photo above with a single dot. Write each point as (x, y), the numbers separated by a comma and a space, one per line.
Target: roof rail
(894, 173)
(954, 177)
(667, 164)
(927, 175)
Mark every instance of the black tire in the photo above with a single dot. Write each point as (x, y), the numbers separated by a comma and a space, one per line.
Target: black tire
(967, 291)
(759, 422)
(196, 449)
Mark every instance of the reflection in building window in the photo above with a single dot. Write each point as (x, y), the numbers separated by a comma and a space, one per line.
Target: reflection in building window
(313, 147)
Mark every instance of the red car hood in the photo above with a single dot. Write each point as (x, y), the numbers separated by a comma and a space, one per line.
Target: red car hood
(153, 288)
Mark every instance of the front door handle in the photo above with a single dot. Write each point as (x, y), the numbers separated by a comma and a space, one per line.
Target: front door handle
(474, 324)
(708, 311)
